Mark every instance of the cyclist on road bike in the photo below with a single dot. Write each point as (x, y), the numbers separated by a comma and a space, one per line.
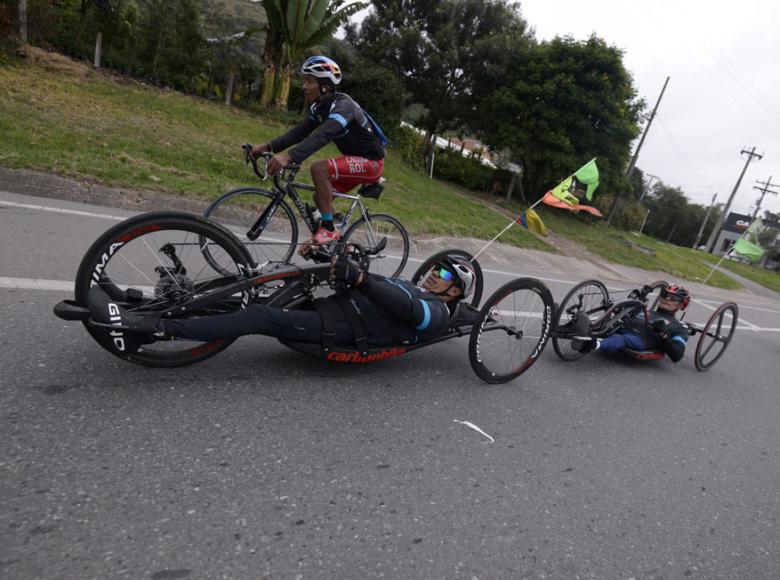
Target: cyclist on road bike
(382, 311)
(333, 116)
(661, 332)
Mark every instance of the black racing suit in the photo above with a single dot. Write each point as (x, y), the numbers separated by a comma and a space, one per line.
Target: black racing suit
(640, 335)
(334, 118)
(393, 312)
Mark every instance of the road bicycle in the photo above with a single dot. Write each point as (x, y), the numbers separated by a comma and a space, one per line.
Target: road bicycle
(156, 264)
(266, 224)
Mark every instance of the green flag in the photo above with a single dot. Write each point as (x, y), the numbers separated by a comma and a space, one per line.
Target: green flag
(584, 181)
(748, 244)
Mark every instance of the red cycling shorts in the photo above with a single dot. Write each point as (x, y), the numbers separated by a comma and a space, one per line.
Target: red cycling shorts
(348, 171)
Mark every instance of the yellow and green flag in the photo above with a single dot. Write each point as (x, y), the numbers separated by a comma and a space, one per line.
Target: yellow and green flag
(748, 245)
(583, 182)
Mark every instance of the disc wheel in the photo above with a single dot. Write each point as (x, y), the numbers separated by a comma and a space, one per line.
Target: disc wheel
(390, 261)
(239, 210)
(716, 335)
(590, 297)
(150, 262)
(426, 266)
(511, 331)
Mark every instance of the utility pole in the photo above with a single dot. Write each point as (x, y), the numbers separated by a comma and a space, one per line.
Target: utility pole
(632, 164)
(719, 224)
(704, 223)
(649, 183)
(644, 221)
(764, 190)
(22, 10)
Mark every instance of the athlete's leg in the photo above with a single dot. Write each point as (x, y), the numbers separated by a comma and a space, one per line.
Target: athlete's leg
(619, 340)
(295, 325)
(323, 190)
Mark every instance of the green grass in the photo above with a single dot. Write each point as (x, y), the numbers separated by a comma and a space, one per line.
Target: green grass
(63, 117)
(767, 278)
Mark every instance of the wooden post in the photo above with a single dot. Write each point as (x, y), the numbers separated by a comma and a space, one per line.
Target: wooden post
(511, 186)
(98, 47)
(229, 89)
(22, 9)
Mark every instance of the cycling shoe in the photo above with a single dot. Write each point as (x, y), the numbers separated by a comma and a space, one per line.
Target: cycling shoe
(133, 330)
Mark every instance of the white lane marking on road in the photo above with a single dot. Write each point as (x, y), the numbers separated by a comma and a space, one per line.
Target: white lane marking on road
(741, 306)
(749, 325)
(62, 210)
(36, 284)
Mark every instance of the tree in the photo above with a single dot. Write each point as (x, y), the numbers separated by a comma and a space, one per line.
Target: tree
(558, 104)
(438, 48)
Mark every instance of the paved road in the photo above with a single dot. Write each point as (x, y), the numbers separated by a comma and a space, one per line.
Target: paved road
(263, 463)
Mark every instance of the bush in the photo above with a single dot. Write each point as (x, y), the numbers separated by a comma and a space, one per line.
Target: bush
(466, 171)
(410, 146)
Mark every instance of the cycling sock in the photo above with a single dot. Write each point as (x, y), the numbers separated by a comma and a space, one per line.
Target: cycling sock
(327, 224)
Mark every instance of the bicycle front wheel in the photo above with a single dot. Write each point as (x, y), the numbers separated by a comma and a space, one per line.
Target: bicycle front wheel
(240, 209)
(369, 233)
(150, 262)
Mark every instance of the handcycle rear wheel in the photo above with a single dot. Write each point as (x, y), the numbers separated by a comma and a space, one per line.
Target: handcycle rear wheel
(437, 257)
(238, 210)
(511, 331)
(132, 263)
(716, 335)
(389, 262)
(590, 297)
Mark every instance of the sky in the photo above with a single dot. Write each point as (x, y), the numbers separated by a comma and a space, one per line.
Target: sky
(724, 89)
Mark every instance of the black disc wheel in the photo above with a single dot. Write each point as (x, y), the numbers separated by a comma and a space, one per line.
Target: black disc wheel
(716, 335)
(154, 261)
(429, 263)
(590, 297)
(239, 210)
(512, 330)
(369, 233)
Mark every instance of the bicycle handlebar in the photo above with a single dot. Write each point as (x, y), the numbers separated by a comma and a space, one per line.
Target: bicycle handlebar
(291, 170)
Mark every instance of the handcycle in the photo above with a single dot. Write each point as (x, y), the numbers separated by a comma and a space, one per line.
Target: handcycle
(156, 264)
(267, 226)
(592, 298)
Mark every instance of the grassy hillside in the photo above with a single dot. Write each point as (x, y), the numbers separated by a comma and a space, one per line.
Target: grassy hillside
(61, 116)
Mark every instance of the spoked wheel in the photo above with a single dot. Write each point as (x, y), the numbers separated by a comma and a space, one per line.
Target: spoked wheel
(390, 261)
(240, 209)
(512, 330)
(152, 261)
(426, 266)
(590, 297)
(716, 335)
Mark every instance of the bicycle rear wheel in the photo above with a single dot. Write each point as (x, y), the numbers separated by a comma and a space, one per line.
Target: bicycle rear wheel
(512, 330)
(239, 210)
(716, 335)
(390, 261)
(152, 261)
(590, 297)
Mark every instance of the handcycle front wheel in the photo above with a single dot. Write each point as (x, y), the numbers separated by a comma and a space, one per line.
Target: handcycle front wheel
(240, 209)
(590, 297)
(429, 263)
(512, 330)
(716, 335)
(389, 262)
(152, 261)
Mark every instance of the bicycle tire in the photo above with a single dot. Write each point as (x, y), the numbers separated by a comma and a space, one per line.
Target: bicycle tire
(140, 238)
(561, 344)
(518, 324)
(716, 319)
(239, 209)
(436, 258)
(397, 247)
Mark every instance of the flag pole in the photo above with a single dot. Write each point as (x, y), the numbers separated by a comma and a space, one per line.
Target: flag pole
(499, 234)
(723, 257)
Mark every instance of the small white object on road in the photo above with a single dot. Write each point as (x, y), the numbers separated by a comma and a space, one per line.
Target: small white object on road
(471, 425)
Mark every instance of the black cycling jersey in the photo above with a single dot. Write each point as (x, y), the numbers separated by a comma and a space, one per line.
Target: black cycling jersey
(393, 312)
(335, 118)
(676, 333)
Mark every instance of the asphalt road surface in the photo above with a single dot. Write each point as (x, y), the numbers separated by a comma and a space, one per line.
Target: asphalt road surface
(265, 463)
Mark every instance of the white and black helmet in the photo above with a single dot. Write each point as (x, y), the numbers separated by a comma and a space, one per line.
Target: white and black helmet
(465, 275)
(322, 68)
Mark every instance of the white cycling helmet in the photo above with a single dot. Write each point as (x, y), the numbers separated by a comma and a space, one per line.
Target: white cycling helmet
(464, 274)
(322, 68)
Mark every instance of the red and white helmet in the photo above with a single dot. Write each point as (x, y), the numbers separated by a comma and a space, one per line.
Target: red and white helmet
(322, 68)
(680, 292)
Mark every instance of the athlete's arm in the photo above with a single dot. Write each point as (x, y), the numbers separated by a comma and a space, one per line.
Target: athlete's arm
(428, 316)
(295, 135)
(674, 347)
(340, 115)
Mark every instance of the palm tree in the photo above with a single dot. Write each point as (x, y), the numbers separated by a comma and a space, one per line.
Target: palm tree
(303, 24)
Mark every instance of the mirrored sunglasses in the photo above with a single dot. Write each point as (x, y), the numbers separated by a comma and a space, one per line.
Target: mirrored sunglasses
(672, 297)
(445, 274)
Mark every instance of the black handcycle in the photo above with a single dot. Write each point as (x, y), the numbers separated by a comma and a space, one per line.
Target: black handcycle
(267, 226)
(607, 316)
(178, 265)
